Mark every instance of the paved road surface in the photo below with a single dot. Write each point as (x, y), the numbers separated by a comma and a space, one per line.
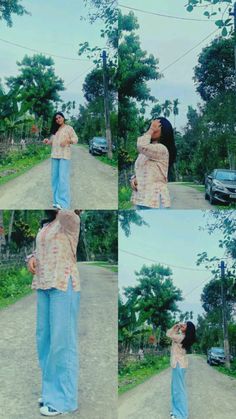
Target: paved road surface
(212, 395)
(93, 185)
(19, 372)
(186, 197)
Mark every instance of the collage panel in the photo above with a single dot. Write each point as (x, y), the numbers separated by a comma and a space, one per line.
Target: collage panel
(58, 128)
(177, 99)
(177, 346)
(59, 342)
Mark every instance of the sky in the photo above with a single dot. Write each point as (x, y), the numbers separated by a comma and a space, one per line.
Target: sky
(172, 238)
(167, 39)
(55, 27)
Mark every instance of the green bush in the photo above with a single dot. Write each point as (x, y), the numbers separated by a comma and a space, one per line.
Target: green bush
(124, 197)
(14, 282)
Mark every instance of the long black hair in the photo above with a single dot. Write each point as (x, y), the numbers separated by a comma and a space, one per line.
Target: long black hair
(50, 216)
(190, 336)
(167, 139)
(55, 126)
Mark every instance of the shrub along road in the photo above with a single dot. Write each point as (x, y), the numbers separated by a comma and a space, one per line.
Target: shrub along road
(19, 372)
(93, 185)
(211, 395)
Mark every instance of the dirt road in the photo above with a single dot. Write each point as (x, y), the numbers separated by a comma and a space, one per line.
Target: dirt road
(93, 185)
(19, 373)
(186, 197)
(211, 395)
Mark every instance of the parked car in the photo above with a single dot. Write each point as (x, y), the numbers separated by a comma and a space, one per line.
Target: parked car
(220, 186)
(216, 356)
(98, 145)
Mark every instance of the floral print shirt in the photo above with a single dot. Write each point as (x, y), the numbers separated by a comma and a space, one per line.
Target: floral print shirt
(65, 133)
(151, 170)
(56, 245)
(178, 353)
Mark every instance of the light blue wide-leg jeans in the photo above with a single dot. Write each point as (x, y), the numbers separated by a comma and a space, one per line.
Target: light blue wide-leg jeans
(61, 182)
(57, 337)
(179, 400)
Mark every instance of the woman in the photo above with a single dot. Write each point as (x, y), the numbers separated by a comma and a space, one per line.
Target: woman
(183, 336)
(157, 154)
(56, 279)
(62, 136)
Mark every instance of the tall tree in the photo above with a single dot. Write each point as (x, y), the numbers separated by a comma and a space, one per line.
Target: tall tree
(37, 87)
(155, 297)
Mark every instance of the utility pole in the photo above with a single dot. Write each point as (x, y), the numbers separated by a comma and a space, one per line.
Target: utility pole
(224, 316)
(106, 105)
(234, 14)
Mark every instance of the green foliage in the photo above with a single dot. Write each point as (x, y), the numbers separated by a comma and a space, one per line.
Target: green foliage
(124, 197)
(150, 306)
(17, 162)
(127, 218)
(133, 373)
(14, 283)
(214, 73)
(98, 237)
(9, 8)
(216, 9)
(36, 87)
(210, 131)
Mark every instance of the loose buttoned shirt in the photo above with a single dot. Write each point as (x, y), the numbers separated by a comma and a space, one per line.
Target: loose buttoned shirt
(65, 133)
(56, 246)
(178, 353)
(151, 170)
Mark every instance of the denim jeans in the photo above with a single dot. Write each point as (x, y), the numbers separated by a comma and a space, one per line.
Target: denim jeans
(57, 337)
(61, 182)
(179, 399)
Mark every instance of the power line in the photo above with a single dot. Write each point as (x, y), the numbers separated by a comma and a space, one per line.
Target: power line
(188, 52)
(166, 16)
(77, 77)
(164, 263)
(43, 52)
(198, 286)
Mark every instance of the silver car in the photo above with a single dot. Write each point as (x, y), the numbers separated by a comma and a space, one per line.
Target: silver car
(220, 186)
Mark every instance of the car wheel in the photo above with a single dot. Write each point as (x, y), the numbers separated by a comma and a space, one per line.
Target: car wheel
(206, 196)
(211, 198)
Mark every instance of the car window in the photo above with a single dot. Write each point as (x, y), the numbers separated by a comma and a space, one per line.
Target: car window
(231, 176)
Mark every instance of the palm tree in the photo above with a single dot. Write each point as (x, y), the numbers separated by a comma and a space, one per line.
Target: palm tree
(167, 108)
(175, 109)
(156, 111)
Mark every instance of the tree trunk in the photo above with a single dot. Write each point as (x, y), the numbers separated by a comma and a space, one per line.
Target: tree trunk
(10, 226)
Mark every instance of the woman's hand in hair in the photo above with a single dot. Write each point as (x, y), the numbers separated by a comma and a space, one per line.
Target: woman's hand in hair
(177, 326)
(134, 184)
(32, 265)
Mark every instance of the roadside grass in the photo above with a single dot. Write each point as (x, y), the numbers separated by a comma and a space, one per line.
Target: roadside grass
(104, 264)
(15, 283)
(231, 372)
(200, 188)
(124, 197)
(104, 159)
(137, 372)
(16, 163)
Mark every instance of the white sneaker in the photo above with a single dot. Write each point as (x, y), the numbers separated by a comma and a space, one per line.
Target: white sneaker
(48, 411)
(40, 402)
